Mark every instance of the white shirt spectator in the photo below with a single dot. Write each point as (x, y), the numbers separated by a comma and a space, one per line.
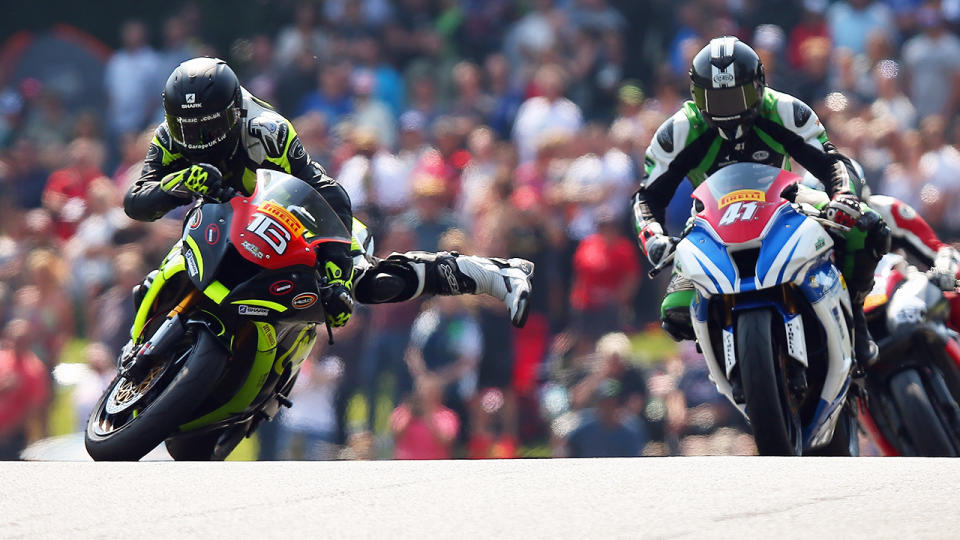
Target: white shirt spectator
(601, 185)
(538, 116)
(932, 64)
(313, 397)
(133, 82)
(383, 180)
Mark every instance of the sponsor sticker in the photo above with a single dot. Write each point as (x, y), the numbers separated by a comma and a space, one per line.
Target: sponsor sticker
(283, 286)
(191, 263)
(196, 219)
(282, 215)
(303, 301)
(742, 195)
(761, 155)
(252, 249)
(212, 234)
(253, 311)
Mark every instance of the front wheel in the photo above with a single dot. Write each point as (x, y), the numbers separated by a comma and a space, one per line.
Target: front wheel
(775, 427)
(920, 420)
(119, 431)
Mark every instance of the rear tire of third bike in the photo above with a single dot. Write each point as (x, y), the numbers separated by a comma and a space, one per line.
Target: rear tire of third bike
(919, 417)
(760, 384)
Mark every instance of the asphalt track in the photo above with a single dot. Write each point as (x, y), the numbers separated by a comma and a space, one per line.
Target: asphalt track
(716, 497)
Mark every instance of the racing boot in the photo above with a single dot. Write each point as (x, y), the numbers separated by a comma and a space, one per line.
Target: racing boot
(507, 280)
(865, 350)
(675, 309)
(405, 276)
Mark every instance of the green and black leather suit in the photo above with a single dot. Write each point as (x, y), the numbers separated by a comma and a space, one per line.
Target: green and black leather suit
(684, 146)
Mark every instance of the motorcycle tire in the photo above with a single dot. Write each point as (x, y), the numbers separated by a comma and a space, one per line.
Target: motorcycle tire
(761, 386)
(161, 417)
(920, 420)
(844, 442)
(213, 446)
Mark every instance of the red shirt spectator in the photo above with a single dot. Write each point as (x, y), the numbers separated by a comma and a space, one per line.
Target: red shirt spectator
(423, 438)
(605, 268)
(65, 195)
(24, 390)
(422, 427)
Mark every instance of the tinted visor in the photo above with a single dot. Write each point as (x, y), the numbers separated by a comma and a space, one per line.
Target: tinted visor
(202, 132)
(724, 102)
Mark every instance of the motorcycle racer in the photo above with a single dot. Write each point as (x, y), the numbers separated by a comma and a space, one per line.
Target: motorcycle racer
(216, 134)
(734, 117)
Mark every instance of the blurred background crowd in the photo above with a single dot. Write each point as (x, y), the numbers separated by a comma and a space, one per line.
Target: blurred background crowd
(494, 127)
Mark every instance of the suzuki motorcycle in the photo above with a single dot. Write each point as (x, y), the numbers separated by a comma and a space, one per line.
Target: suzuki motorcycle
(222, 329)
(912, 388)
(771, 313)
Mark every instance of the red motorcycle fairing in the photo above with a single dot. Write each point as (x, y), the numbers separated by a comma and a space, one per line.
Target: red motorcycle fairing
(741, 215)
(268, 235)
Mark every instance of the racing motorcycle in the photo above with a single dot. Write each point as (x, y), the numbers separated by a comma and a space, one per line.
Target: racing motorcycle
(912, 389)
(771, 313)
(223, 328)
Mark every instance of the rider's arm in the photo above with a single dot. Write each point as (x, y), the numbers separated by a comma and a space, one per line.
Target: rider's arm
(667, 161)
(803, 137)
(146, 200)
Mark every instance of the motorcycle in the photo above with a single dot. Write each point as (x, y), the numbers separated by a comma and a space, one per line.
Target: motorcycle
(913, 388)
(222, 330)
(771, 312)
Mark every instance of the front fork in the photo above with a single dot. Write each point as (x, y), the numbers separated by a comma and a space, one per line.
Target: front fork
(134, 365)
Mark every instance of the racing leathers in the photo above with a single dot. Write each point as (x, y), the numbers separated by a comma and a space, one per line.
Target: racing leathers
(685, 146)
(268, 140)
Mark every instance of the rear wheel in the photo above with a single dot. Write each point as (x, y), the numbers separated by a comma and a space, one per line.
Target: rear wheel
(775, 426)
(213, 446)
(920, 420)
(131, 419)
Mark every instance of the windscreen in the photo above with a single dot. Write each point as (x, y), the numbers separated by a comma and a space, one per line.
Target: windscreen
(741, 177)
(297, 206)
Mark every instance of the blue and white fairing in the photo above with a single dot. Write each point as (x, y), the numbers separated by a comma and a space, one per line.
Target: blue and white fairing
(792, 248)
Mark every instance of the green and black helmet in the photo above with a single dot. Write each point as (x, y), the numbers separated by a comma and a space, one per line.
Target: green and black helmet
(727, 85)
(201, 101)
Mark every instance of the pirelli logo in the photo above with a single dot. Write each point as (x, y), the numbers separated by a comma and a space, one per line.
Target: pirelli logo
(742, 195)
(282, 215)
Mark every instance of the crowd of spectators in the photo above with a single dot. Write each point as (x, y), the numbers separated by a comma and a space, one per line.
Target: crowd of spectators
(497, 128)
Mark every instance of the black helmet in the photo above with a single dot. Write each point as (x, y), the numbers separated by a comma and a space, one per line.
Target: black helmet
(202, 105)
(727, 85)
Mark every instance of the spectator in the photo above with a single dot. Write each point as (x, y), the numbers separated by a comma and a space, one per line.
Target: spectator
(332, 97)
(811, 25)
(302, 38)
(43, 302)
(851, 21)
(891, 102)
(90, 251)
(369, 112)
(100, 372)
(24, 391)
(505, 96)
(546, 112)
(446, 344)
(308, 431)
(429, 218)
(606, 431)
(176, 45)
(133, 81)
(65, 195)
(111, 313)
(606, 275)
(373, 177)
(422, 427)
(389, 87)
(613, 353)
(413, 141)
(932, 60)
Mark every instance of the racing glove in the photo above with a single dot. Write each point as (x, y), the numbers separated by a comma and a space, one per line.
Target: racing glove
(337, 298)
(943, 273)
(844, 209)
(656, 245)
(196, 180)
